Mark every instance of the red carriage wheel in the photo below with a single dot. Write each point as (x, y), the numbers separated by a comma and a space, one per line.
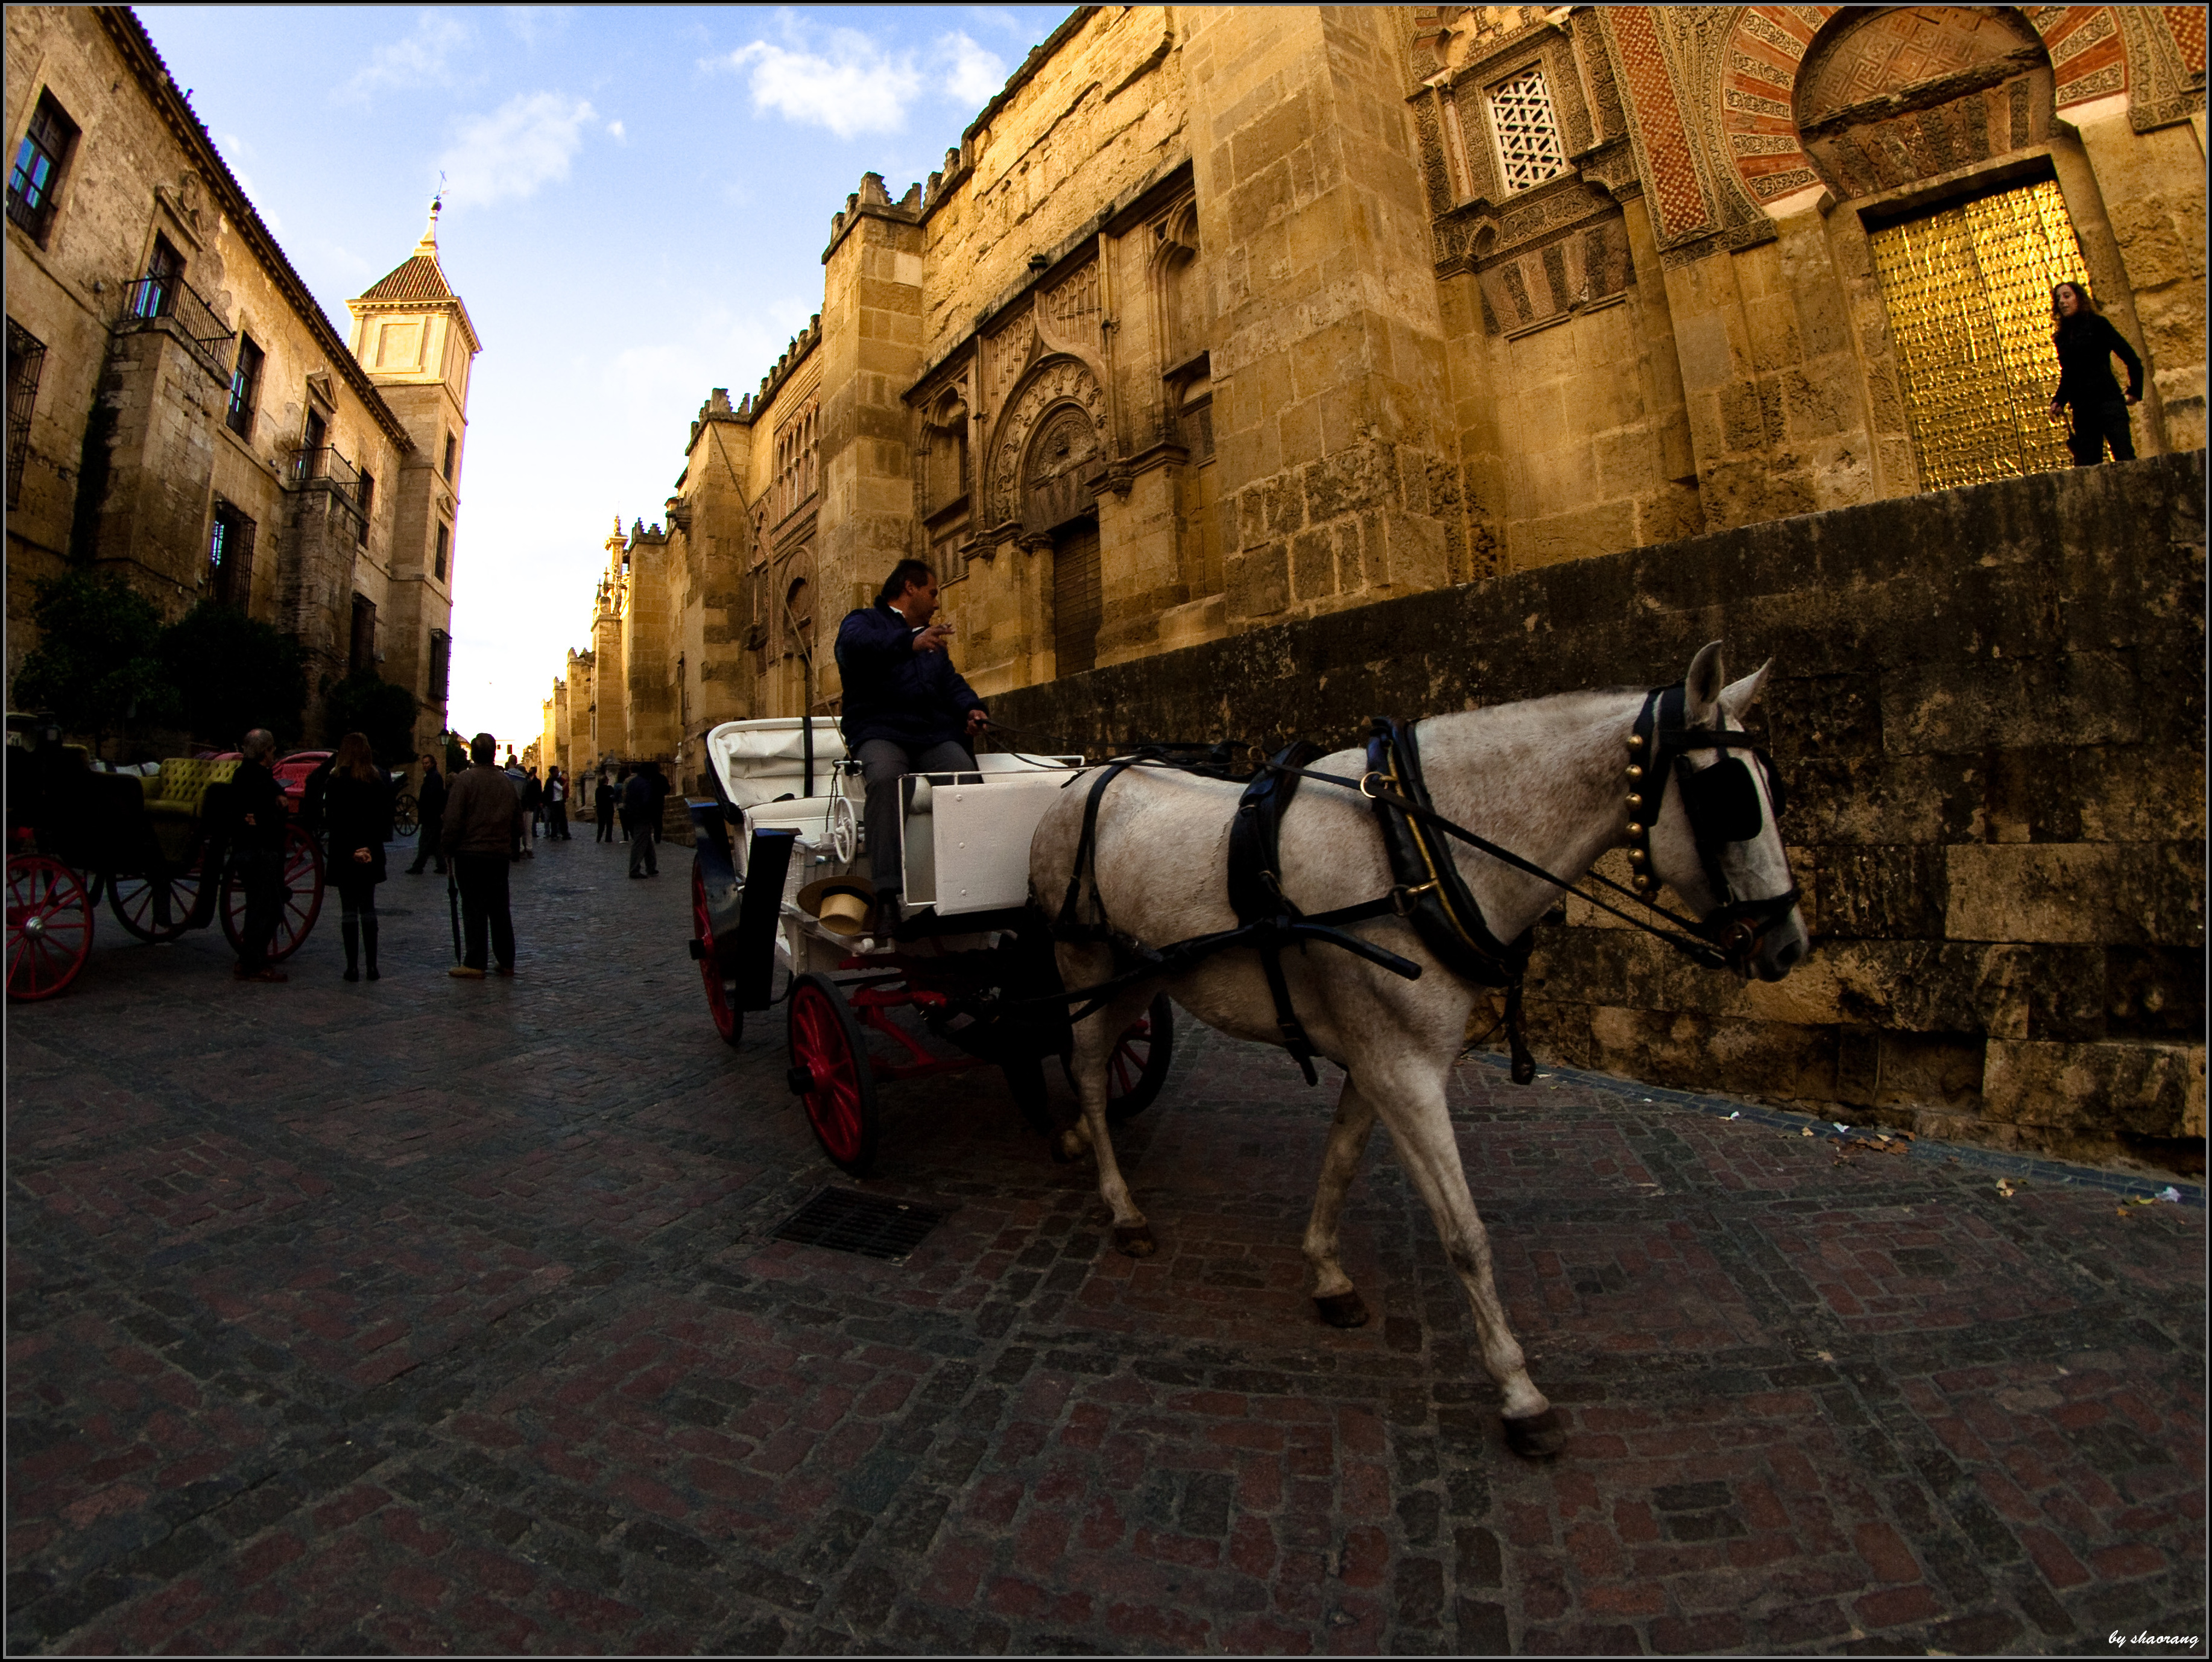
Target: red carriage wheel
(830, 1074)
(49, 927)
(154, 907)
(729, 1020)
(303, 903)
(1137, 1066)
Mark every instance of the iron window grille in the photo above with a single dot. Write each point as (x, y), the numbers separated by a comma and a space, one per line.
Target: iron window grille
(230, 556)
(443, 535)
(449, 459)
(163, 293)
(1528, 148)
(34, 181)
(365, 495)
(27, 358)
(244, 387)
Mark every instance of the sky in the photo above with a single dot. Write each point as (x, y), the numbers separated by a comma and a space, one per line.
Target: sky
(637, 201)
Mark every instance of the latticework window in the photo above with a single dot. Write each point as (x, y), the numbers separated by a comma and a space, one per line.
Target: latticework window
(1528, 148)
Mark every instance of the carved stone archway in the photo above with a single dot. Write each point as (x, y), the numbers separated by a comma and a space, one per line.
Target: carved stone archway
(1050, 440)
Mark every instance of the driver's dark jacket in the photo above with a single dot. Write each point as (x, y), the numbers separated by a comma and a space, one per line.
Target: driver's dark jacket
(254, 789)
(894, 692)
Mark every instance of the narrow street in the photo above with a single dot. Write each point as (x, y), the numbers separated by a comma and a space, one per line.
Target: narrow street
(425, 1315)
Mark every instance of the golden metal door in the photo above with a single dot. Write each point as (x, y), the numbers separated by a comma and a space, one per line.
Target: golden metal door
(1968, 290)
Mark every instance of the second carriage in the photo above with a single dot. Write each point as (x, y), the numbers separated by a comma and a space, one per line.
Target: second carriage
(155, 845)
(967, 960)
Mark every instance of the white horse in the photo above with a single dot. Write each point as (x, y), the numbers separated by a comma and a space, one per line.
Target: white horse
(1547, 779)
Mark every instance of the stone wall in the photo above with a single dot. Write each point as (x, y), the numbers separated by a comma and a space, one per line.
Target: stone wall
(1989, 706)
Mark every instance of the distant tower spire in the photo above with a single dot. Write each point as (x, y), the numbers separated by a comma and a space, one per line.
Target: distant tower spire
(430, 242)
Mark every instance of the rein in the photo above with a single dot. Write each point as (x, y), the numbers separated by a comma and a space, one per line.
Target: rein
(1721, 801)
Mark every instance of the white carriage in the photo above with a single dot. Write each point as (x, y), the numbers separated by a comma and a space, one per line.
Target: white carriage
(788, 823)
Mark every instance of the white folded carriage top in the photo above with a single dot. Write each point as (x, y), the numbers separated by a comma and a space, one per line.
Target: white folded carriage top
(758, 761)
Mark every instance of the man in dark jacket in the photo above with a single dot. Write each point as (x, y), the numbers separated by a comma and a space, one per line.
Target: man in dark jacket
(478, 832)
(603, 806)
(257, 823)
(637, 803)
(430, 809)
(906, 710)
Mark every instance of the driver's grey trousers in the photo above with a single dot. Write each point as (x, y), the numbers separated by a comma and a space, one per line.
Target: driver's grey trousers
(883, 762)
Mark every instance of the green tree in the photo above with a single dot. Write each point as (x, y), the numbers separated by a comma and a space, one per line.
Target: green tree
(235, 673)
(364, 702)
(97, 666)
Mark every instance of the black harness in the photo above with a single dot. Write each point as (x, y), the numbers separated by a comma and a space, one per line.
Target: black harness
(1721, 801)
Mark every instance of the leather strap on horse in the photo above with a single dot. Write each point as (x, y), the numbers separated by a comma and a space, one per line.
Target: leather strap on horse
(1444, 912)
(1255, 881)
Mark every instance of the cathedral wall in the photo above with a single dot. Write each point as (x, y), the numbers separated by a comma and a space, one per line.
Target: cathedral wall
(1987, 705)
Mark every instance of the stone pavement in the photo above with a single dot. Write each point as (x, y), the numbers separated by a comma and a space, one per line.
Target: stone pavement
(430, 1316)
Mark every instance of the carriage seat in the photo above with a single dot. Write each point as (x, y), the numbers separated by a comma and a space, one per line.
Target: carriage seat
(759, 761)
(179, 789)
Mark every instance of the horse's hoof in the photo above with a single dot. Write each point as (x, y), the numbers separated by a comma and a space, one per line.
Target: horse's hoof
(1538, 1437)
(1135, 1239)
(1066, 1146)
(1342, 1309)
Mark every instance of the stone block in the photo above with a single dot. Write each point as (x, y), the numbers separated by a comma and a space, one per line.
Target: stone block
(2148, 1090)
(1258, 582)
(2087, 893)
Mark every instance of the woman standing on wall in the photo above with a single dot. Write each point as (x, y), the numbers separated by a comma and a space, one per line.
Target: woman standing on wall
(2087, 343)
(357, 809)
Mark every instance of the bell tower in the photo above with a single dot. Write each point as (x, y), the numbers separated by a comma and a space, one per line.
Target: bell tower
(413, 336)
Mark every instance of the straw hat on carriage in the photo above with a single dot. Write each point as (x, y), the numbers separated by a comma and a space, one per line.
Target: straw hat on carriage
(839, 904)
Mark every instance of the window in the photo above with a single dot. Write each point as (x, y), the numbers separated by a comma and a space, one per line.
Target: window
(27, 356)
(37, 174)
(449, 459)
(361, 656)
(154, 295)
(230, 556)
(245, 388)
(443, 535)
(441, 646)
(1528, 148)
(367, 498)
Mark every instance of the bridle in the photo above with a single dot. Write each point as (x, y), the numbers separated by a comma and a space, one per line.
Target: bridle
(1723, 806)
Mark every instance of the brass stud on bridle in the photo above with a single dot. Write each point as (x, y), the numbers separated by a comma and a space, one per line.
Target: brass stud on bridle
(1634, 772)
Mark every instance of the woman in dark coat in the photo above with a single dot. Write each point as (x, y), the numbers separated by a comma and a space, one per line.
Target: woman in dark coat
(557, 806)
(2087, 343)
(357, 809)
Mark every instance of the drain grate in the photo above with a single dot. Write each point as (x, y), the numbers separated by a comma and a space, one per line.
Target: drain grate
(844, 1221)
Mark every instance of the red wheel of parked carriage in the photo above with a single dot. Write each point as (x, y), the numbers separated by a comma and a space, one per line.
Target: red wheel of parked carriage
(729, 1020)
(1138, 1064)
(830, 1074)
(49, 927)
(155, 908)
(303, 903)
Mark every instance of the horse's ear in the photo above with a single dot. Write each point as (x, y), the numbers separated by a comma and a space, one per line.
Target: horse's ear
(1739, 696)
(1701, 688)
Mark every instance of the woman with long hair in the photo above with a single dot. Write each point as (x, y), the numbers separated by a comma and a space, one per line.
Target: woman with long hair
(2087, 343)
(357, 808)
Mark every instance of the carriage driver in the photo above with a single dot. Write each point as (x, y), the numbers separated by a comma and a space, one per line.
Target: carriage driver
(906, 710)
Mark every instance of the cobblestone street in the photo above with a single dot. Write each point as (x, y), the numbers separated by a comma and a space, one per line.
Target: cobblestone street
(428, 1315)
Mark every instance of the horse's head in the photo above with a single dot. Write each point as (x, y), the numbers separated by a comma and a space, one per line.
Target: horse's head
(1716, 839)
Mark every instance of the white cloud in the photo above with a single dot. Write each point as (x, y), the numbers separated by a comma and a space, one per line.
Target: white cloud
(855, 88)
(615, 129)
(419, 59)
(845, 83)
(974, 75)
(527, 141)
(532, 23)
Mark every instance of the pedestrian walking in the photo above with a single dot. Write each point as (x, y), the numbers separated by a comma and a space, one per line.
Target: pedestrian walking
(259, 819)
(2087, 344)
(637, 811)
(430, 809)
(603, 808)
(557, 806)
(657, 783)
(533, 801)
(481, 828)
(357, 808)
(519, 782)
